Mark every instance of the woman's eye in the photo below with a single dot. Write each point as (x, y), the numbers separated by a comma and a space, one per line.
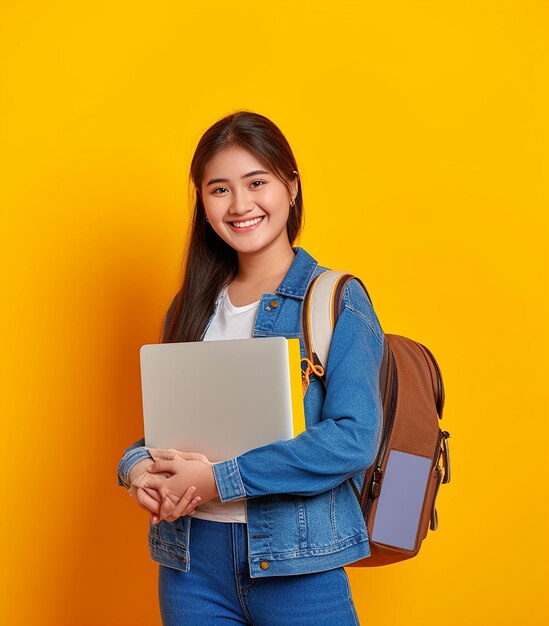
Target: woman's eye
(255, 184)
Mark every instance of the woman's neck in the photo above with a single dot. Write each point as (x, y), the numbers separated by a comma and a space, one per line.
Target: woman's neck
(260, 272)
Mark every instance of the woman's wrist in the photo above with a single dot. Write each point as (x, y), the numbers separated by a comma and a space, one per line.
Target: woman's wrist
(211, 476)
(138, 469)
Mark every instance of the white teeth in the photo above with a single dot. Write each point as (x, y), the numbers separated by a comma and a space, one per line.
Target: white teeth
(246, 224)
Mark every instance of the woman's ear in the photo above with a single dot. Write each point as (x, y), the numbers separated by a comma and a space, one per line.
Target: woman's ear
(294, 186)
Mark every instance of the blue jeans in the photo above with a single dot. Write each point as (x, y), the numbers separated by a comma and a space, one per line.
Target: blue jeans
(218, 589)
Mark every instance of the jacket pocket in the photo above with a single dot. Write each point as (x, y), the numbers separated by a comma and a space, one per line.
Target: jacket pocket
(169, 543)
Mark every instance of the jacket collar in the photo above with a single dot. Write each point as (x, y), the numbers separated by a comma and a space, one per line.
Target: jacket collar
(299, 275)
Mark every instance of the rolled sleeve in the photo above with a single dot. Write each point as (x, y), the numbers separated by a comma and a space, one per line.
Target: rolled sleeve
(228, 480)
(132, 455)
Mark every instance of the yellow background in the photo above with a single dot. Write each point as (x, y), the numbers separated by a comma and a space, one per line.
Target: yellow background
(420, 129)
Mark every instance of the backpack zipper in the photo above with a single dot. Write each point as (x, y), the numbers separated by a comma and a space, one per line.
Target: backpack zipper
(391, 410)
(441, 451)
(446, 456)
(372, 482)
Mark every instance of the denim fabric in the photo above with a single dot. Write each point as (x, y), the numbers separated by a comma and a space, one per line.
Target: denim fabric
(303, 515)
(218, 589)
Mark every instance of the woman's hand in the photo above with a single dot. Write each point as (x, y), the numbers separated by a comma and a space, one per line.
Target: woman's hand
(149, 499)
(187, 505)
(185, 469)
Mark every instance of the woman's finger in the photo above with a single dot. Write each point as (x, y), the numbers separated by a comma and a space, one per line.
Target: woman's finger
(153, 494)
(158, 483)
(166, 454)
(176, 509)
(186, 508)
(159, 454)
(171, 509)
(193, 456)
(167, 508)
(158, 517)
(162, 466)
(145, 501)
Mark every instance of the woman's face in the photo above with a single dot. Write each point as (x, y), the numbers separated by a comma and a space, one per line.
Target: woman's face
(237, 188)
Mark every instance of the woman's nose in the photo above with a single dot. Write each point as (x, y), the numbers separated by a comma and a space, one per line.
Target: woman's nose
(241, 203)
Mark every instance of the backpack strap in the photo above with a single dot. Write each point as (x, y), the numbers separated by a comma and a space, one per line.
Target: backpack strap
(320, 312)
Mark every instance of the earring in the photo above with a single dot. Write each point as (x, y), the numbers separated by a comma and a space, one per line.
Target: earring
(207, 219)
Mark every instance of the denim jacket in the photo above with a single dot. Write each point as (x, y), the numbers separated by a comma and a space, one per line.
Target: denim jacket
(303, 515)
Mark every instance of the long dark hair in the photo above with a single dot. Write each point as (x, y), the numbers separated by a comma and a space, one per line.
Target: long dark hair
(210, 263)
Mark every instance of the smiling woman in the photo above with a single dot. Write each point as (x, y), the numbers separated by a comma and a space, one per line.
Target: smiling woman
(281, 520)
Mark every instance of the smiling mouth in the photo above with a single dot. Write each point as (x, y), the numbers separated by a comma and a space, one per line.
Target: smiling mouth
(247, 224)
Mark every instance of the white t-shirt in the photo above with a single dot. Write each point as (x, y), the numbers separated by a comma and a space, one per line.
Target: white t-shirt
(229, 322)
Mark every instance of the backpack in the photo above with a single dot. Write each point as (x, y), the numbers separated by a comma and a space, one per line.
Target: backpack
(398, 491)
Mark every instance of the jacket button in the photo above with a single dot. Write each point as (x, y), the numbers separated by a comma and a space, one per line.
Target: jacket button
(264, 565)
(273, 303)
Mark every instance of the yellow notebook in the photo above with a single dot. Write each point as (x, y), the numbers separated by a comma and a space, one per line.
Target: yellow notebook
(296, 385)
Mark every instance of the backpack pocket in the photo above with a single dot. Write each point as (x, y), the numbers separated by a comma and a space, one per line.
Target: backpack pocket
(406, 480)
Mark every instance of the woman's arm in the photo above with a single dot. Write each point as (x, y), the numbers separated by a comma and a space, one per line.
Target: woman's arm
(345, 441)
(340, 446)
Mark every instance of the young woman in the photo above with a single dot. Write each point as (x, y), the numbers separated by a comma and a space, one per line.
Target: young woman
(261, 538)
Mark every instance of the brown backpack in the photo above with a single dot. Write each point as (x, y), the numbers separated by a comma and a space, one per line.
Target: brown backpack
(399, 490)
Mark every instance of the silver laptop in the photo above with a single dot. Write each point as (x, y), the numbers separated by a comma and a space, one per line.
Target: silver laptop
(220, 398)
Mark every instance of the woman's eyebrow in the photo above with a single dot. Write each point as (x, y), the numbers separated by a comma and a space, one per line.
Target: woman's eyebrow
(226, 180)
